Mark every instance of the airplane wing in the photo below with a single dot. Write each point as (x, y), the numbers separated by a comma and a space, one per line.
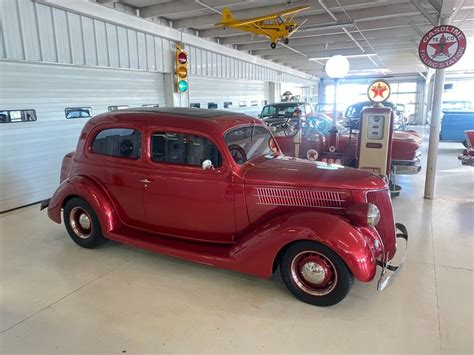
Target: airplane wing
(237, 23)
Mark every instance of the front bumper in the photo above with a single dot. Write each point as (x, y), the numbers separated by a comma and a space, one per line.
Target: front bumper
(407, 167)
(466, 159)
(389, 271)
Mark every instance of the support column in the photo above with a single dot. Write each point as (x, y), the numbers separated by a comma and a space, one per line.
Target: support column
(434, 129)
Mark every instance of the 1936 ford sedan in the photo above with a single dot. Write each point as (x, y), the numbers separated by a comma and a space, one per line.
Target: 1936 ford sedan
(213, 187)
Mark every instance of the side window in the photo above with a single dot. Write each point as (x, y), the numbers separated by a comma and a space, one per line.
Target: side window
(184, 149)
(195, 105)
(78, 112)
(212, 105)
(118, 142)
(14, 116)
(227, 104)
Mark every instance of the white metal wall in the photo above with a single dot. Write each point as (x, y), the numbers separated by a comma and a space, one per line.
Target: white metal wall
(31, 152)
(204, 90)
(33, 31)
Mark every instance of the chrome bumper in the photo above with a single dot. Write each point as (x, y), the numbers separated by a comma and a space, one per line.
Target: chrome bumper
(466, 160)
(389, 271)
(406, 167)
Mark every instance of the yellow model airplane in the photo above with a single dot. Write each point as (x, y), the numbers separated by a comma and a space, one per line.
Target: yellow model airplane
(276, 26)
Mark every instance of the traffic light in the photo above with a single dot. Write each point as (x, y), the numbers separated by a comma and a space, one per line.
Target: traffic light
(181, 69)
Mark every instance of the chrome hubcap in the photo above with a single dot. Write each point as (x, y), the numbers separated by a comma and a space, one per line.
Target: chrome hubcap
(313, 273)
(80, 222)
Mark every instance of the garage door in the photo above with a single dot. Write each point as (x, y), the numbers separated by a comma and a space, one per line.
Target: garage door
(31, 152)
(226, 94)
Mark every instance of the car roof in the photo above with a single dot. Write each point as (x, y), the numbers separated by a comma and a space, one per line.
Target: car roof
(177, 117)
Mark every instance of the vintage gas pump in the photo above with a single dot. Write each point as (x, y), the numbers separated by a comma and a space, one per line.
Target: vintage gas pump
(375, 135)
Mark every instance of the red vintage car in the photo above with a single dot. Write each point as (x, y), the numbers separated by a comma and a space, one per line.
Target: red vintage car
(213, 187)
(406, 146)
(467, 157)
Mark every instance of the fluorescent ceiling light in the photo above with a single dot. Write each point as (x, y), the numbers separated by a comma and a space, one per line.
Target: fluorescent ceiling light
(347, 56)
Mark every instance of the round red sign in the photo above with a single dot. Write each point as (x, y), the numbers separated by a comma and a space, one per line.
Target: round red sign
(442, 46)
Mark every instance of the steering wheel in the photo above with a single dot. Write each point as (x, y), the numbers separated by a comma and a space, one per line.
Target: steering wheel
(238, 153)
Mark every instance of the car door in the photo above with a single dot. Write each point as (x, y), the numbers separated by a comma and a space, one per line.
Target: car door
(182, 199)
(115, 162)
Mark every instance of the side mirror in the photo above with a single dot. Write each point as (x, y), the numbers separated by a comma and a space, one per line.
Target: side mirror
(207, 165)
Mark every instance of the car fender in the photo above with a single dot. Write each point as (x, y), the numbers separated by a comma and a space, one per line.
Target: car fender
(256, 253)
(89, 191)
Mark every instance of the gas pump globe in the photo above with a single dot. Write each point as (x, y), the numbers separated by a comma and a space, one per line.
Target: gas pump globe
(336, 68)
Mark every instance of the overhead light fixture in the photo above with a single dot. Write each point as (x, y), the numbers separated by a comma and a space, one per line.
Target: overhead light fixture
(367, 55)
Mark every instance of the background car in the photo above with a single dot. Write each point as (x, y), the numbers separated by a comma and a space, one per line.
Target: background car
(353, 114)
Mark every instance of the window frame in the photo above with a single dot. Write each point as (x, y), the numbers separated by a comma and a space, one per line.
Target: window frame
(92, 135)
(21, 109)
(181, 167)
(123, 107)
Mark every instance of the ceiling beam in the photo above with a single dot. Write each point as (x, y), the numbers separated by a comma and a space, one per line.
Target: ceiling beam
(208, 21)
(432, 19)
(186, 8)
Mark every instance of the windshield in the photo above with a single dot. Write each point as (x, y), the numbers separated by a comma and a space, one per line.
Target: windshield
(278, 110)
(245, 143)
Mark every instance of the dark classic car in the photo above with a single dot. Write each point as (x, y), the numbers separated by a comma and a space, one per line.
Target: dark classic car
(406, 146)
(353, 113)
(213, 187)
(467, 157)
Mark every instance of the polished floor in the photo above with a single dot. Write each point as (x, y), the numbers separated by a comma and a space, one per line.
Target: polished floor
(59, 298)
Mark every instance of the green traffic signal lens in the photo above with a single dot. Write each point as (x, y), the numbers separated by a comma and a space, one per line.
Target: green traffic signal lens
(182, 85)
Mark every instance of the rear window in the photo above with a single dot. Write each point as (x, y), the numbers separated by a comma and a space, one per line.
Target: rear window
(14, 116)
(118, 142)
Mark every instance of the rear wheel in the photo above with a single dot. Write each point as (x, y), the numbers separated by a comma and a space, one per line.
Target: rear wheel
(82, 223)
(315, 274)
(273, 45)
(286, 41)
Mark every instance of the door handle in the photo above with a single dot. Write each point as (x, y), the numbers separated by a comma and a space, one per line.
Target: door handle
(145, 181)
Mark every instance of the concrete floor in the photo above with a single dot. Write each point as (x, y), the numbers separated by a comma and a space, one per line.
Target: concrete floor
(59, 298)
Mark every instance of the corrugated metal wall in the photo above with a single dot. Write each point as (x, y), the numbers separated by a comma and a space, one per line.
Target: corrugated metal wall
(38, 32)
(218, 91)
(31, 152)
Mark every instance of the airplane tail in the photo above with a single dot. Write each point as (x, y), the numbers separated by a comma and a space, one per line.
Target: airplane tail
(226, 17)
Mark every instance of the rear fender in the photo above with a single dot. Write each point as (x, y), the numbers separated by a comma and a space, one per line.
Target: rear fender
(257, 251)
(89, 191)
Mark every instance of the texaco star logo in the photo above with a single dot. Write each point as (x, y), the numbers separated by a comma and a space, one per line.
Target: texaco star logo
(442, 46)
(378, 91)
(312, 154)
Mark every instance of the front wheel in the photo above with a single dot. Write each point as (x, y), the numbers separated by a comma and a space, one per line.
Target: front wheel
(82, 223)
(315, 274)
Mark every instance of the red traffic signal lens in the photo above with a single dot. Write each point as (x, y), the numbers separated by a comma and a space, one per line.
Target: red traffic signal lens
(182, 58)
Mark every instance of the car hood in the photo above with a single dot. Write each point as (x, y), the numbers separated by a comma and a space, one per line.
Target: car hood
(287, 171)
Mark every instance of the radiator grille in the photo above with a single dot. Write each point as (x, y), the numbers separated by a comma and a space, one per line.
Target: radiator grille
(299, 198)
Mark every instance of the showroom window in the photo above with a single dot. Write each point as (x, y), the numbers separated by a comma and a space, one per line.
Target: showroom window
(78, 112)
(150, 105)
(227, 104)
(195, 105)
(243, 104)
(118, 142)
(253, 103)
(14, 116)
(183, 149)
(212, 105)
(115, 108)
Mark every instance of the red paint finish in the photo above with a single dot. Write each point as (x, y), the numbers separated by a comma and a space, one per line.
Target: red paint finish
(238, 217)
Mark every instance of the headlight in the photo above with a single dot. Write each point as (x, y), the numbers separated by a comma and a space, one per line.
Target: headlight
(373, 215)
(364, 214)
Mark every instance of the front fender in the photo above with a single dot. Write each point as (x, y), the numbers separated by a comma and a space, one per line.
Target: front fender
(89, 191)
(257, 251)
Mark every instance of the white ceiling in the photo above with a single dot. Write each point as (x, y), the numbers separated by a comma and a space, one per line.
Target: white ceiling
(385, 32)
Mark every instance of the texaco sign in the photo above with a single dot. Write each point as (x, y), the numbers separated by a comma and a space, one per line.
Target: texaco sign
(442, 46)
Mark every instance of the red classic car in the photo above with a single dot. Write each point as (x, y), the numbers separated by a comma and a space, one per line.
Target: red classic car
(467, 157)
(406, 146)
(213, 187)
